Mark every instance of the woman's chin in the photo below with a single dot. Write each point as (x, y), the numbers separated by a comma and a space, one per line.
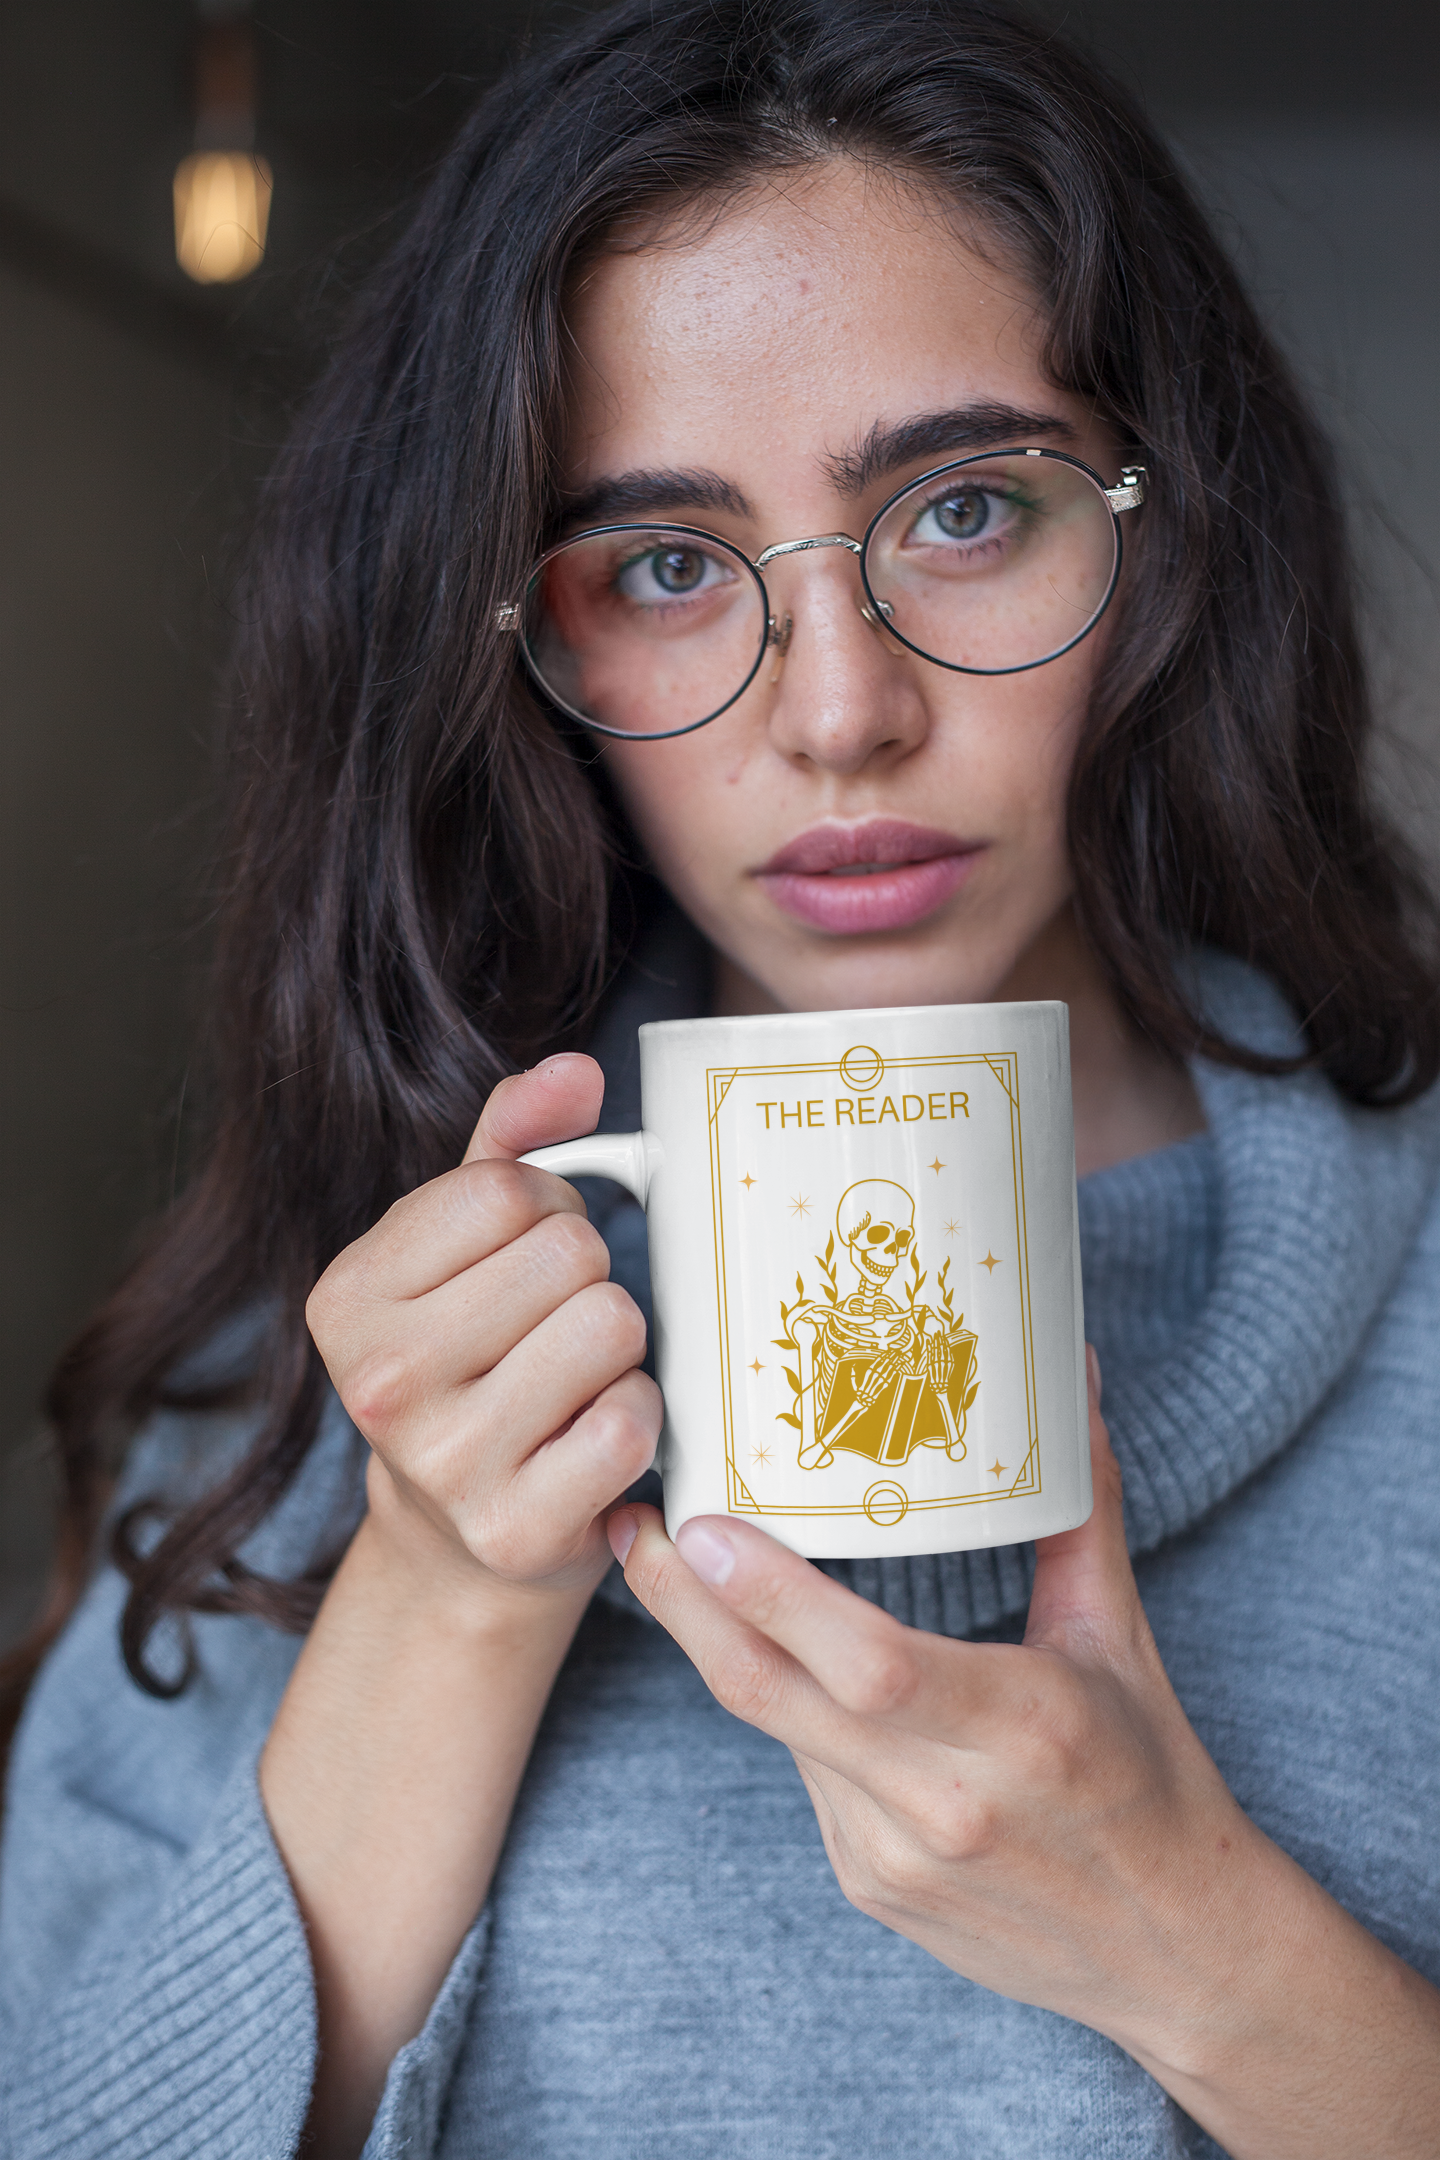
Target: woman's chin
(840, 975)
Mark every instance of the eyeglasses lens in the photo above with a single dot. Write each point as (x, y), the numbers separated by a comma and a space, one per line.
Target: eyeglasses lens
(997, 564)
(645, 629)
(993, 564)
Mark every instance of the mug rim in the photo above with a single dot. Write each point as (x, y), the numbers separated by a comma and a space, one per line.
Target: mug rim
(756, 1021)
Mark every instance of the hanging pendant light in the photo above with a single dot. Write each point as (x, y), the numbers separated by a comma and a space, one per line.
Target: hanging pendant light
(222, 191)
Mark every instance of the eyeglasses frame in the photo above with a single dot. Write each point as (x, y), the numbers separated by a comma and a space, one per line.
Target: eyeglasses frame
(1129, 495)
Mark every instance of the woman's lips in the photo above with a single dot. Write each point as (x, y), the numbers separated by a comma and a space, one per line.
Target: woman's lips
(883, 875)
(885, 899)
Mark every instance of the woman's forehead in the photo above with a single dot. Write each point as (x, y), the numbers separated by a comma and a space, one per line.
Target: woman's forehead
(795, 325)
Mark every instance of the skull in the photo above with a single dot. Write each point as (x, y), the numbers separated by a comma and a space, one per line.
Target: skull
(876, 1221)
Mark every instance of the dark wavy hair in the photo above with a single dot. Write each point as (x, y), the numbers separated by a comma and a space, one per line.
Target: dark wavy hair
(425, 885)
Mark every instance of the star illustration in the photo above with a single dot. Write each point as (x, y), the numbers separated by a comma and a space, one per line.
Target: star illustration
(937, 1166)
(951, 1227)
(760, 1454)
(757, 1367)
(799, 1205)
(989, 1261)
(997, 1468)
(747, 1181)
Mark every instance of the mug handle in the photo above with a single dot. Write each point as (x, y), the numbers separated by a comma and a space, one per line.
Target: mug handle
(631, 1159)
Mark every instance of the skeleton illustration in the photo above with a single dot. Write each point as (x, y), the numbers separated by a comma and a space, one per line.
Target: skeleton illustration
(883, 1378)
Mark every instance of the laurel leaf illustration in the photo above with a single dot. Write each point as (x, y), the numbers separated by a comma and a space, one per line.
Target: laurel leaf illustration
(783, 1417)
(971, 1396)
(829, 1249)
(793, 1377)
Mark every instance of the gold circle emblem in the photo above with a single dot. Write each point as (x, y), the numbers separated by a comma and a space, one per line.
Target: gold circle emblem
(861, 1068)
(885, 1504)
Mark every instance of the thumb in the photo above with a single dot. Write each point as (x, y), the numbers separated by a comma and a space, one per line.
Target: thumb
(558, 1100)
(1084, 1583)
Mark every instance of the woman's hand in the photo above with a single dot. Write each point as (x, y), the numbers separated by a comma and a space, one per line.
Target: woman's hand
(1043, 1819)
(475, 1339)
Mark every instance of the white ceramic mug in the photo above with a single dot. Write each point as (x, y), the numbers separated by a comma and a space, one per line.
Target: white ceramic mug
(865, 1267)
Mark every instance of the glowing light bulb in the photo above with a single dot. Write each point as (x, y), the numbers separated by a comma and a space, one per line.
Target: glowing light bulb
(222, 212)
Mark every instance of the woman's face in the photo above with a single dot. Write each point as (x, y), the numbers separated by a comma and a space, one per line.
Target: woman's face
(862, 827)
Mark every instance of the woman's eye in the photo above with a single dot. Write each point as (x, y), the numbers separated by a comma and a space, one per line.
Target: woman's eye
(965, 515)
(673, 572)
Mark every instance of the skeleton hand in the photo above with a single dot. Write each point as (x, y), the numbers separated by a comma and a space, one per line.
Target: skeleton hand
(939, 1361)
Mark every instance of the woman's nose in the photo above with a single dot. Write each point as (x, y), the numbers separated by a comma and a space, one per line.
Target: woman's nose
(844, 694)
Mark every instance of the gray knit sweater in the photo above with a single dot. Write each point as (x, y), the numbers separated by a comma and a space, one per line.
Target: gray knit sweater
(666, 1966)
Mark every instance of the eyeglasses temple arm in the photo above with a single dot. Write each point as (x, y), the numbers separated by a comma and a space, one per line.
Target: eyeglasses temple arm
(1131, 491)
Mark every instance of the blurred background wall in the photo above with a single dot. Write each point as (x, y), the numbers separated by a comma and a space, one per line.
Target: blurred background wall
(137, 410)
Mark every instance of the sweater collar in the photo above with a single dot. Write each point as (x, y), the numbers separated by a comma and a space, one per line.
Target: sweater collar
(1315, 1205)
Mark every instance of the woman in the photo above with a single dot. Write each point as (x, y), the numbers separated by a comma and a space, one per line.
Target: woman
(1047, 1882)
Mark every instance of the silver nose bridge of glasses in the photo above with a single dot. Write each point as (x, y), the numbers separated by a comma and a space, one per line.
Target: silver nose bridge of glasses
(778, 634)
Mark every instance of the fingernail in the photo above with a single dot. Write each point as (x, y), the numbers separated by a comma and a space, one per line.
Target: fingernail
(621, 1530)
(707, 1553)
(1092, 1368)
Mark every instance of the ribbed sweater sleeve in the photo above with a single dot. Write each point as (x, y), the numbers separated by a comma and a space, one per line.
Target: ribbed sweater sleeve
(198, 2036)
(192, 2033)
(156, 1993)
(155, 1987)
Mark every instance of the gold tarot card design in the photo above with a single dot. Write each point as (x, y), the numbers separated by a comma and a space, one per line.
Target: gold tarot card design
(872, 1286)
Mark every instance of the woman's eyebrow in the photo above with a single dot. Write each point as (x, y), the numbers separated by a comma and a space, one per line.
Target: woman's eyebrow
(646, 494)
(953, 433)
(888, 446)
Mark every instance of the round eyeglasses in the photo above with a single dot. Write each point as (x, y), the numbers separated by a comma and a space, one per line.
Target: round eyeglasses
(988, 566)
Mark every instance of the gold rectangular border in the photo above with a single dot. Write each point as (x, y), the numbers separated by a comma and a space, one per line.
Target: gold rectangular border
(1005, 1066)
